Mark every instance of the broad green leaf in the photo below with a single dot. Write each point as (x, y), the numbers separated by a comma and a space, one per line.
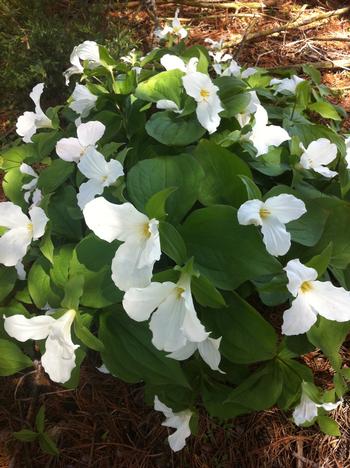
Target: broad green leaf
(253, 191)
(45, 142)
(227, 253)
(232, 96)
(46, 246)
(150, 176)
(54, 175)
(303, 94)
(205, 293)
(215, 399)
(12, 359)
(47, 445)
(293, 373)
(173, 130)
(321, 261)
(164, 85)
(60, 208)
(201, 53)
(12, 187)
(40, 419)
(313, 73)
(8, 278)
(130, 355)
(41, 289)
(325, 109)
(13, 157)
(85, 335)
(156, 205)
(222, 169)
(172, 244)
(73, 290)
(246, 336)
(25, 435)
(328, 426)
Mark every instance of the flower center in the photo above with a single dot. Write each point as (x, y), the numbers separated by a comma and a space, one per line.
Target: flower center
(306, 286)
(179, 292)
(176, 29)
(204, 93)
(145, 231)
(30, 227)
(264, 213)
(104, 178)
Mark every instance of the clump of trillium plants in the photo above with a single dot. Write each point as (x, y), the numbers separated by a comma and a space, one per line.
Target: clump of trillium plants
(162, 214)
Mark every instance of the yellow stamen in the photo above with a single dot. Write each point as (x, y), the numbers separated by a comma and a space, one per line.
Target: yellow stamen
(306, 286)
(30, 227)
(179, 292)
(264, 213)
(104, 178)
(204, 93)
(145, 230)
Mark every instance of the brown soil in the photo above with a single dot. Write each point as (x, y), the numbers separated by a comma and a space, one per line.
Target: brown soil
(104, 422)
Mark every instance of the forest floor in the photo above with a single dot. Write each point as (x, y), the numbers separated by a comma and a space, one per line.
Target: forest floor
(104, 422)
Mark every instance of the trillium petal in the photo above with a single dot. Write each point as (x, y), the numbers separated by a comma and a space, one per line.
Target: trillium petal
(89, 133)
(325, 171)
(208, 113)
(197, 81)
(209, 351)
(35, 95)
(109, 221)
(168, 105)
(126, 272)
(166, 323)
(275, 236)
(185, 352)
(299, 318)
(285, 207)
(306, 411)
(21, 273)
(25, 126)
(151, 250)
(12, 216)
(249, 213)
(57, 362)
(115, 170)
(275, 135)
(28, 170)
(14, 244)
(159, 406)
(177, 440)
(139, 303)
(23, 329)
(87, 192)
(297, 274)
(69, 149)
(320, 152)
(172, 62)
(93, 165)
(332, 302)
(39, 221)
(191, 326)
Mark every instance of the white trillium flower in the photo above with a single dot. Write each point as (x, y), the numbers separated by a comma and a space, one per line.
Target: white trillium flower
(176, 29)
(319, 153)
(286, 84)
(73, 149)
(174, 320)
(347, 156)
(202, 89)
(216, 45)
(208, 350)
(28, 123)
(22, 230)
(30, 187)
(89, 51)
(59, 357)
(100, 173)
(219, 57)
(244, 118)
(83, 101)
(272, 215)
(173, 62)
(307, 410)
(179, 421)
(263, 135)
(312, 297)
(133, 262)
(234, 70)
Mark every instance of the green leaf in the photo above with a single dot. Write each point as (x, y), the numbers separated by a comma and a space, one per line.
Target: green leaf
(155, 207)
(130, 355)
(60, 208)
(321, 261)
(252, 189)
(227, 253)
(92, 259)
(173, 130)
(303, 94)
(25, 435)
(46, 246)
(41, 288)
(328, 426)
(232, 96)
(85, 335)
(54, 175)
(314, 74)
(13, 157)
(222, 169)
(12, 359)
(240, 325)
(172, 243)
(73, 291)
(309, 132)
(8, 278)
(151, 176)
(325, 109)
(40, 419)
(47, 445)
(205, 293)
(12, 187)
(44, 143)
(164, 85)
(74, 380)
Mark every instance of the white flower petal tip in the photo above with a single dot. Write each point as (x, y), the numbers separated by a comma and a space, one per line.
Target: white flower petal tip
(100, 173)
(88, 134)
(202, 89)
(208, 350)
(307, 410)
(59, 357)
(272, 215)
(174, 321)
(29, 122)
(179, 421)
(83, 101)
(175, 29)
(317, 155)
(312, 298)
(21, 231)
(133, 262)
(347, 156)
(286, 84)
(166, 104)
(173, 62)
(87, 51)
(263, 135)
